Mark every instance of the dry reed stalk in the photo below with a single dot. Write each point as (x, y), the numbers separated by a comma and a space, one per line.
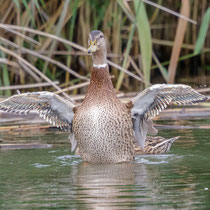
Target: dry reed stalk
(136, 68)
(155, 13)
(28, 70)
(52, 36)
(8, 62)
(195, 15)
(9, 6)
(162, 69)
(58, 29)
(116, 41)
(124, 70)
(84, 84)
(9, 52)
(27, 86)
(27, 38)
(45, 58)
(114, 28)
(66, 42)
(179, 37)
(167, 43)
(182, 15)
(79, 98)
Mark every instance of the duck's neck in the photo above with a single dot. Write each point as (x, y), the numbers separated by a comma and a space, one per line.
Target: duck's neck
(99, 58)
(100, 82)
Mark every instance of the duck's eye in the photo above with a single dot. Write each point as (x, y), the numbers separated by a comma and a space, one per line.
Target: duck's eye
(101, 36)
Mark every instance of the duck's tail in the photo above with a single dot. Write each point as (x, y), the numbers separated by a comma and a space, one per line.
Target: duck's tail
(155, 145)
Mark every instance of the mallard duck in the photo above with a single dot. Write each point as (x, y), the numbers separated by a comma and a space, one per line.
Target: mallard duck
(104, 129)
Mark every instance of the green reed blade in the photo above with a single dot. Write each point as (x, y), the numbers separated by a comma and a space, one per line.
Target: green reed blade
(145, 39)
(202, 32)
(5, 80)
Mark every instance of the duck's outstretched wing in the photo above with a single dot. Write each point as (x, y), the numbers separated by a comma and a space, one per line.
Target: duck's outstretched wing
(152, 100)
(49, 106)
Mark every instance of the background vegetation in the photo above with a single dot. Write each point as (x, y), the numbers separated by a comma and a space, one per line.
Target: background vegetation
(42, 42)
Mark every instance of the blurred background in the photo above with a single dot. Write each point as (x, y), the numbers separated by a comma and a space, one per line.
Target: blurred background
(43, 43)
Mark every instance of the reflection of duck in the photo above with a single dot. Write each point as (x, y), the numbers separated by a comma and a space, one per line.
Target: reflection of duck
(104, 186)
(104, 128)
(117, 186)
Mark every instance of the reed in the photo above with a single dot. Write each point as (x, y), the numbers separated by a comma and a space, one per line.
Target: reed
(46, 41)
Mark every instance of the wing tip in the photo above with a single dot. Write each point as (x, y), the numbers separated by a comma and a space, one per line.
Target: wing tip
(160, 86)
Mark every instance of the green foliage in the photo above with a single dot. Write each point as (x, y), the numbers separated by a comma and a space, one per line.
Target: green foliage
(17, 3)
(127, 29)
(145, 39)
(29, 11)
(5, 75)
(203, 32)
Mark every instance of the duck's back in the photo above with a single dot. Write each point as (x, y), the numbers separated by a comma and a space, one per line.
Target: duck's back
(102, 123)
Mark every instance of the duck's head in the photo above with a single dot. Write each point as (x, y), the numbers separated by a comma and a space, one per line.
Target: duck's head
(96, 42)
(97, 47)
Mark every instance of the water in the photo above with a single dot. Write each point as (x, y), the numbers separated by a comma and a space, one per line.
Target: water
(55, 178)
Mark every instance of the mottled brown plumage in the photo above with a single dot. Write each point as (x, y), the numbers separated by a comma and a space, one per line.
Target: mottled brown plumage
(102, 123)
(155, 145)
(103, 129)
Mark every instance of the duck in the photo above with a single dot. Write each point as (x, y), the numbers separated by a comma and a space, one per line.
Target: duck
(103, 129)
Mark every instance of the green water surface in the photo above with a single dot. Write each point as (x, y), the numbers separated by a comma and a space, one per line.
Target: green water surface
(55, 178)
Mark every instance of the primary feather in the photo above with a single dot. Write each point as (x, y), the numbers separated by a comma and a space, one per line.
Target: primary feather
(154, 99)
(49, 106)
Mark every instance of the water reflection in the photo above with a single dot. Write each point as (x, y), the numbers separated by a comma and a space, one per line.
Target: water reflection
(115, 186)
(101, 186)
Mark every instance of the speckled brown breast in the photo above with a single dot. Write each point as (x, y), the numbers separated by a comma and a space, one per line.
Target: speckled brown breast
(102, 123)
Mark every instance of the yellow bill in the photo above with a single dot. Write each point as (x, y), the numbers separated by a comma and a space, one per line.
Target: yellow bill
(93, 47)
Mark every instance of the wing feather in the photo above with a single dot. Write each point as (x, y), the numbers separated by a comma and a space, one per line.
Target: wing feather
(157, 97)
(154, 99)
(49, 106)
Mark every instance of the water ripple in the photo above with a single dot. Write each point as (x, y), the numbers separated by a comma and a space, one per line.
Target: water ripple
(39, 165)
(68, 160)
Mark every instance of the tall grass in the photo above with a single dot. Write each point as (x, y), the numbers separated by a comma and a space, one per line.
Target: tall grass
(140, 37)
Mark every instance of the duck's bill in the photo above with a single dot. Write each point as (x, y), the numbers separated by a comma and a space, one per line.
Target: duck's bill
(92, 49)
